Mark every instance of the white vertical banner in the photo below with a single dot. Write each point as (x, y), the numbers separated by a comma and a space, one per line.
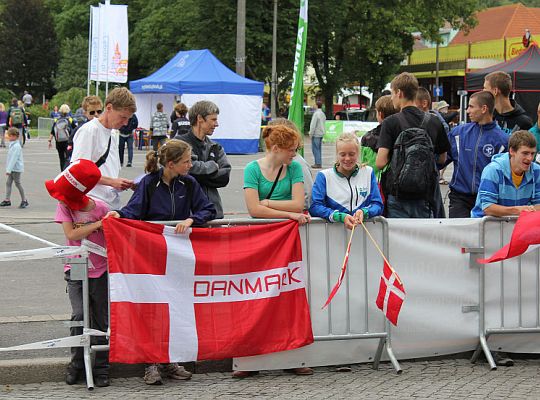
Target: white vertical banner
(94, 43)
(109, 58)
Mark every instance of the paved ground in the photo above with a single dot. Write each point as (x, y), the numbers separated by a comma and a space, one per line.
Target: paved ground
(448, 379)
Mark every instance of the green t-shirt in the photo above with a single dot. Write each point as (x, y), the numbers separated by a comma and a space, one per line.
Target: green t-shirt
(254, 179)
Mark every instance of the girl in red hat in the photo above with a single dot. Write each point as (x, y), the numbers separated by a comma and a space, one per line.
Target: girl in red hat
(81, 218)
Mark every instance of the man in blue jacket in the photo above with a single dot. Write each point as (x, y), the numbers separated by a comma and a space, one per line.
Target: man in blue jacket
(472, 146)
(510, 184)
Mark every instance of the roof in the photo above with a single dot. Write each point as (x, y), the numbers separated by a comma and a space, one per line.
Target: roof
(196, 72)
(524, 70)
(500, 22)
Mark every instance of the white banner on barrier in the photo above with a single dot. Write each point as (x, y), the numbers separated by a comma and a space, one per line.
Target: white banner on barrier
(68, 341)
(46, 252)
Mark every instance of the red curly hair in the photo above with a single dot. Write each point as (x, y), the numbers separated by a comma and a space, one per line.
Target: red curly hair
(281, 136)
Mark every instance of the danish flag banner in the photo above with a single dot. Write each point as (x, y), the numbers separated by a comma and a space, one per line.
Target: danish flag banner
(213, 293)
(525, 238)
(391, 294)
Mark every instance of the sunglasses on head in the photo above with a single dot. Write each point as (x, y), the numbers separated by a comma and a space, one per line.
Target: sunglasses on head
(94, 112)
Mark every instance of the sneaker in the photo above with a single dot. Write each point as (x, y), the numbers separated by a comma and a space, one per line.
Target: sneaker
(244, 374)
(502, 359)
(175, 371)
(128, 164)
(5, 203)
(152, 375)
(23, 204)
(316, 166)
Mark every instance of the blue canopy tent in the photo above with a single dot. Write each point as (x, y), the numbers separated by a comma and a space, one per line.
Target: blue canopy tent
(198, 75)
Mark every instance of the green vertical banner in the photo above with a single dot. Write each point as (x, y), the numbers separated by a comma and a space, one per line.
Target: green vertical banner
(296, 105)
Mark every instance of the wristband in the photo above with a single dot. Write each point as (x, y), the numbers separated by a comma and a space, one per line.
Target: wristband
(339, 216)
(366, 213)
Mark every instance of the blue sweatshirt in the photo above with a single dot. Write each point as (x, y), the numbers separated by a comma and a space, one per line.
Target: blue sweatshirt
(171, 202)
(471, 147)
(14, 161)
(497, 187)
(333, 192)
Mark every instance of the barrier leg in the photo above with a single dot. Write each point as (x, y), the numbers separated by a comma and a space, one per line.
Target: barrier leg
(378, 353)
(87, 352)
(393, 358)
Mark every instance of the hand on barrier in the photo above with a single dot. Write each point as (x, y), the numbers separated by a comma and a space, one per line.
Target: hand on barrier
(301, 218)
(183, 226)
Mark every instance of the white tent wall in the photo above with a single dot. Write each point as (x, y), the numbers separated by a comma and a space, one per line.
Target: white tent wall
(146, 106)
(239, 115)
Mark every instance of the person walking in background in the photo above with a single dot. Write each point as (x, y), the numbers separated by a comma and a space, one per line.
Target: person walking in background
(535, 130)
(316, 131)
(14, 168)
(54, 113)
(16, 118)
(3, 124)
(159, 127)
(180, 125)
(210, 167)
(61, 132)
(126, 138)
(347, 192)
(27, 99)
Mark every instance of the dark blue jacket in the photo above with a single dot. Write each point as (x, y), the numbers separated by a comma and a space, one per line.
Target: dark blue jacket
(154, 200)
(471, 148)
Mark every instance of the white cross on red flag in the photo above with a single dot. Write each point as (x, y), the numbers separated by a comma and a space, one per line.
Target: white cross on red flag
(391, 293)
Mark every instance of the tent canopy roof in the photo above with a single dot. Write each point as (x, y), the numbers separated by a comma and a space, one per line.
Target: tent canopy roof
(196, 72)
(524, 70)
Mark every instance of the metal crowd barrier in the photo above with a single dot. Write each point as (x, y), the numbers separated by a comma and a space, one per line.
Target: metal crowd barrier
(78, 259)
(498, 310)
(316, 256)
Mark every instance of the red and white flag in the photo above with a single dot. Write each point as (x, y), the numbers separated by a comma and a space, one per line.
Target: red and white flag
(212, 294)
(391, 294)
(525, 238)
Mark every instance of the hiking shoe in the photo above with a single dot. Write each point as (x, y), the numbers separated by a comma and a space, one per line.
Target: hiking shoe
(175, 371)
(152, 375)
(128, 164)
(244, 374)
(5, 203)
(502, 359)
(23, 204)
(73, 375)
(102, 381)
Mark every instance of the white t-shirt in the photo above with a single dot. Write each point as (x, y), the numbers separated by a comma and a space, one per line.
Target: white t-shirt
(90, 142)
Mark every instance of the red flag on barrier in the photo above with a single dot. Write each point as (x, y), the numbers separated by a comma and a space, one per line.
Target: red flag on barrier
(525, 237)
(391, 293)
(213, 294)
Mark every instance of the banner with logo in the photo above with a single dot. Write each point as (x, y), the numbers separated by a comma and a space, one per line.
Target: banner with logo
(109, 43)
(296, 105)
(208, 294)
(335, 128)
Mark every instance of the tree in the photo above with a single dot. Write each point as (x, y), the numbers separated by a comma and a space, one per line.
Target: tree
(73, 65)
(363, 41)
(29, 47)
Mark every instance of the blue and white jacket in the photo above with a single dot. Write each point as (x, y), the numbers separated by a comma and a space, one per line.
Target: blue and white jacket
(333, 192)
(497, 187)
(471, 147)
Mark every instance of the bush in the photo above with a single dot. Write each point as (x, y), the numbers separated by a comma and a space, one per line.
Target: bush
(5, 97)
(72, 97)
(34, 112)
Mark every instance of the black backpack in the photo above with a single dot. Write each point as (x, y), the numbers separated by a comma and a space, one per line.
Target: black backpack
(413, 169)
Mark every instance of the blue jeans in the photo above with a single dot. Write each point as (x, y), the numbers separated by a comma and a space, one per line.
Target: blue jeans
(121, 144)
(407, 208)
(316, 144)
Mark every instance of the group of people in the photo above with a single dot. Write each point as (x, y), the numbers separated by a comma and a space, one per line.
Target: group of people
(183, 175)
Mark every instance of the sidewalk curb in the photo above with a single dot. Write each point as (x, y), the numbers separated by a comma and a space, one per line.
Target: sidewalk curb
(36, 370)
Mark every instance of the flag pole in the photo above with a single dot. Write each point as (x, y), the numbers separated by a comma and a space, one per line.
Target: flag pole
(381, 253)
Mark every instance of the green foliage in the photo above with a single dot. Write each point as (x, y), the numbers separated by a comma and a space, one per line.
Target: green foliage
(73, 65)
(34, 112)
(72, 97)
(5, 97)
(29, 47)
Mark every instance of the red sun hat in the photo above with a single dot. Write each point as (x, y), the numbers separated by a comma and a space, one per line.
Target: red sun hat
(72, 184)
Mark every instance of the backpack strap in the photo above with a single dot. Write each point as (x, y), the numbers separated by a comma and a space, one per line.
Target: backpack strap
(103, 158)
